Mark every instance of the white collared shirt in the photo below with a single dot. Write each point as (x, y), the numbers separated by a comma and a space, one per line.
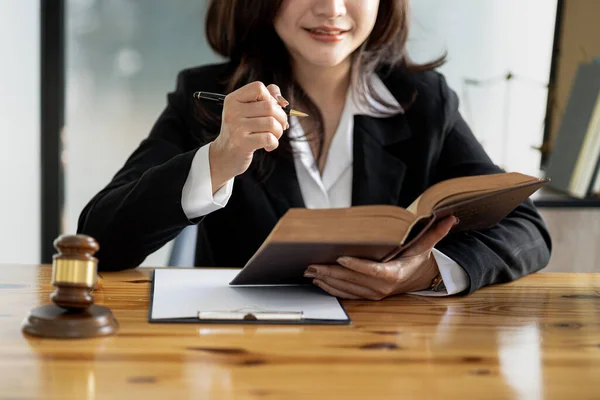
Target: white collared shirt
(332, 189)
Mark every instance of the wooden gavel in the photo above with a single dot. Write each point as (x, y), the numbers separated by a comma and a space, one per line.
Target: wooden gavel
(73, 314)
(74, 272)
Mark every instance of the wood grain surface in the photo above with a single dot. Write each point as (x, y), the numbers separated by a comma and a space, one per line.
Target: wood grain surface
(538, 337)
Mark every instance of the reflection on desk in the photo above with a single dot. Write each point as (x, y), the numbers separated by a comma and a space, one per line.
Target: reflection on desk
(537, 337)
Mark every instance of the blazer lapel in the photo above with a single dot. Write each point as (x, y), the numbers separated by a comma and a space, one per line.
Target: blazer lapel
(378, 175)
(282, 186)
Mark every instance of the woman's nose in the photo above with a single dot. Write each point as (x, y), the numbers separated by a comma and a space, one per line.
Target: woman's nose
(330, 9)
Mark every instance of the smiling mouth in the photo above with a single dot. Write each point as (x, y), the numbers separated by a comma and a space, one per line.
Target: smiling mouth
(326, 31)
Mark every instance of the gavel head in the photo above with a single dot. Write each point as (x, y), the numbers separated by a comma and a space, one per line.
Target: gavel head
(74, 271)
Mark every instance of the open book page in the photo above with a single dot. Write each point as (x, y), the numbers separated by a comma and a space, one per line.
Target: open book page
(459, 189)
(182, 293)
(482, 211)
(475, 208)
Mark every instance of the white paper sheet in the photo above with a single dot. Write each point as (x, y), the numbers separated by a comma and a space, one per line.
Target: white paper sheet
(182, 293)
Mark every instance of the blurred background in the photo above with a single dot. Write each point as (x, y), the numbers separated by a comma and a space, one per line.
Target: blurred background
(84, 80)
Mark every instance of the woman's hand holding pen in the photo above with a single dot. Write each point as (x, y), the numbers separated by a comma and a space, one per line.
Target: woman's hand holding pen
(357, 279)
(252, 119)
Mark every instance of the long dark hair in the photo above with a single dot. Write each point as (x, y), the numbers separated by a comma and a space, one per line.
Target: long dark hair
(243, 31)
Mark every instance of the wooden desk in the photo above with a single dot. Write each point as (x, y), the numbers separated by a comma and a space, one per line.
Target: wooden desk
(536, 338)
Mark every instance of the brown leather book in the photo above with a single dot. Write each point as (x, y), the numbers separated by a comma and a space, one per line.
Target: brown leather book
(380, 232)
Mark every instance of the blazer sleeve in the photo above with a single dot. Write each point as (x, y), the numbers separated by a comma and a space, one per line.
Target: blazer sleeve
(520, 244)
(140, 210)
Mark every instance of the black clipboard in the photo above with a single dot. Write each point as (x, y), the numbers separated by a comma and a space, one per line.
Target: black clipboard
(250, 315)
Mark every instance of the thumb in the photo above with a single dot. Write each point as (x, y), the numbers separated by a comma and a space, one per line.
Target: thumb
(432, 236)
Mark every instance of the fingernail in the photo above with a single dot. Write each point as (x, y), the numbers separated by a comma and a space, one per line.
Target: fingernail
(457, 221)
(312, 270)
(317, 282)
(287, 126)
(309, 275)
(343, 260)
(283, 102)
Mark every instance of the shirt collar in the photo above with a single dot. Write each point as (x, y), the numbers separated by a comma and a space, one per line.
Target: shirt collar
(372, 107)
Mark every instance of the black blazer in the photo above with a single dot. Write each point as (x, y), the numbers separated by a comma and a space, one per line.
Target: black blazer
(395, 160)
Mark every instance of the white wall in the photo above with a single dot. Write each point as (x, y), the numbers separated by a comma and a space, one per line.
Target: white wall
(485, 39)
(19, 132)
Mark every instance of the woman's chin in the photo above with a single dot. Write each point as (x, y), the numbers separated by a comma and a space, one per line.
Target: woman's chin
(325, 60)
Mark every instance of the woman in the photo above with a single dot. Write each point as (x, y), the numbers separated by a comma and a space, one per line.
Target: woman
(380, 130)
